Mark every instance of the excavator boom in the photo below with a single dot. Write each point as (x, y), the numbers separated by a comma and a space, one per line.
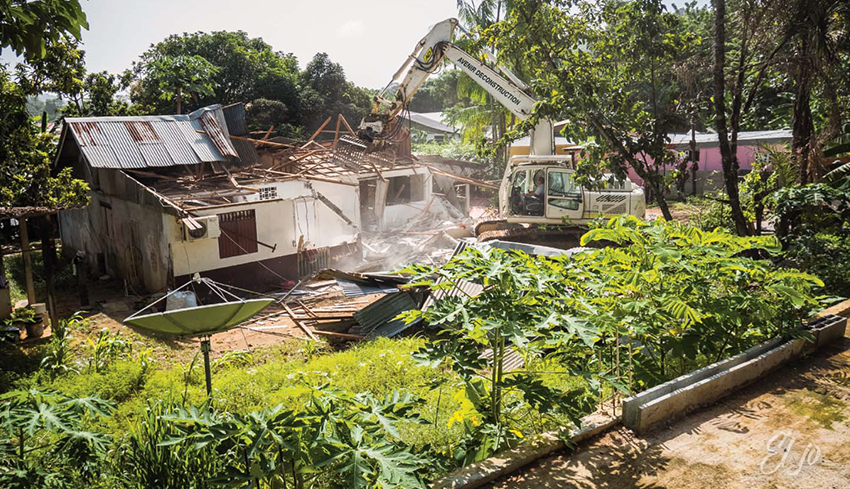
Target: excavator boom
(536, 190)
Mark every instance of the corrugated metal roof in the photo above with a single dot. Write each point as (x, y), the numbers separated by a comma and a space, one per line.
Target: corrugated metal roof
(359, 289)
(703, 139)
(234, 115)
(153, 141)
(429, 122)
(378, 318)
(461, 289)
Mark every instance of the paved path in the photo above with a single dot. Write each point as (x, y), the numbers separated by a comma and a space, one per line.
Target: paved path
(802, 411)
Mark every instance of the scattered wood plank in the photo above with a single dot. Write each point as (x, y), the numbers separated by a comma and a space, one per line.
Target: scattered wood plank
(462, 179)
(262, 142)
(266, 135)
(149, 174)
(298, 322)
(334, 208)
(345, 122)
(336, 132)
(421, 216)
(309, 177)
(347, 336)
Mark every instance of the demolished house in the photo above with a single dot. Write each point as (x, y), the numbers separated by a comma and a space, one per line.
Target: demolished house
(176, 195)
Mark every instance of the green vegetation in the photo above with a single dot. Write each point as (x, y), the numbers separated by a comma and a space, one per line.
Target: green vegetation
(668, 299)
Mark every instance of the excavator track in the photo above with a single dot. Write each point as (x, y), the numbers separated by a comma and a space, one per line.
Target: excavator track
(563, 237)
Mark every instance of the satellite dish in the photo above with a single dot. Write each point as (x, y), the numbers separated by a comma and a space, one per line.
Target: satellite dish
(200, 321)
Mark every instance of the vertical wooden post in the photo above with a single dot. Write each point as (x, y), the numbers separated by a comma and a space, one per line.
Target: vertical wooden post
(48, 254)
(336, 132)
(466, 205)
(27, 260)
(5, 294)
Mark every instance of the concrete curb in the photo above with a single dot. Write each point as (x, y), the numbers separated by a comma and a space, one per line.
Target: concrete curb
(480, 473)
(707, 385)
(663, 402)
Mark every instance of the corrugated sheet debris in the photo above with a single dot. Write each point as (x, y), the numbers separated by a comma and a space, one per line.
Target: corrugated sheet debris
(512, 361)
(379, 317)
(234, 114)
(359, 289)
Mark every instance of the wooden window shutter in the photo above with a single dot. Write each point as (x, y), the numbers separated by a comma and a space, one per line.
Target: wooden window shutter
(238, 233)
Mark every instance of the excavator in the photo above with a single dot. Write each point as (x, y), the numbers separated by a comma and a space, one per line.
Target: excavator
(539, 201)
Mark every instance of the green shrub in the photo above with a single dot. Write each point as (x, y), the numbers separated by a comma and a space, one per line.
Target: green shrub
(825, 255)
(142, 460)
(119, 383)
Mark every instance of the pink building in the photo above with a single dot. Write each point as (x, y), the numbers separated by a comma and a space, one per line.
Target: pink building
(710, 173)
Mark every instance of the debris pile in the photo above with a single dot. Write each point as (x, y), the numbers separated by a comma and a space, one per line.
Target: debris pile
(347, 306)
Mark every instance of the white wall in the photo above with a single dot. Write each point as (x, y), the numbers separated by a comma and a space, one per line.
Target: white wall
(279, 222)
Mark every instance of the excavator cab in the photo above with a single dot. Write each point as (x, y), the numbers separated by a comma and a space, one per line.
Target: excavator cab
(528, 192)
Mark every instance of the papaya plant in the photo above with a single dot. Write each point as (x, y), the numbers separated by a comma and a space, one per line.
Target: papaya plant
(44, 440)
(664, 299)
(350, 438)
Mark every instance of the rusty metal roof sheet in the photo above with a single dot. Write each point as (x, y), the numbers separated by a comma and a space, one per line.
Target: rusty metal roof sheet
(234, 115)
(153, 141)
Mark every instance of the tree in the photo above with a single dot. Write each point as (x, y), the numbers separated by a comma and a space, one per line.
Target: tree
(438, 93)
(247, 69)
(175, 76)
(326, 92)
(29, 26)
(27, 176)
(62, 71)
(729, 157)
(478, 18)
(264, 113)
(819, 32)
(609, 69)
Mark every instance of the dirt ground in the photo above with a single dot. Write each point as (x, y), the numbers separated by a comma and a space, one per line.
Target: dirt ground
(801, 412)
(678, 214)
(271, 327)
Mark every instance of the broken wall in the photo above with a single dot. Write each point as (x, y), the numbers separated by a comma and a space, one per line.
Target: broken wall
(299, 227)
(405, 190)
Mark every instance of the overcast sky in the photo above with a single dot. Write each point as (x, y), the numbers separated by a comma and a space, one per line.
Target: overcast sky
(370, 39)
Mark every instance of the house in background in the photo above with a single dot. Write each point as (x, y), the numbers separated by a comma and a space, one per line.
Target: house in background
(180, 194)
(709, 177)
(431, 124)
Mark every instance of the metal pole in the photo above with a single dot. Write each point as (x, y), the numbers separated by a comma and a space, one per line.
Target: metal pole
(205, 349)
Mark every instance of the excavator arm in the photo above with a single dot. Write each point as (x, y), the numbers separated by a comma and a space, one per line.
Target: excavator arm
(425, 59)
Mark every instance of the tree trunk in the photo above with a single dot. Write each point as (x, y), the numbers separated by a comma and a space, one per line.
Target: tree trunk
(653, 182)
(728, 159)
(693, 156)
(662, 204)
(179, 103)
(802, 125)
